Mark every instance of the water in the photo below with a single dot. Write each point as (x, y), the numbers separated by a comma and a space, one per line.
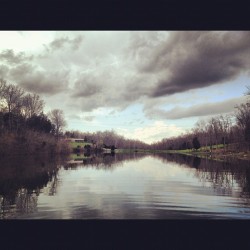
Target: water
(125, 186)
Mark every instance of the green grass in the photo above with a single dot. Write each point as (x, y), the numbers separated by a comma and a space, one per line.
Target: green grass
(213, 147)
(202, 150)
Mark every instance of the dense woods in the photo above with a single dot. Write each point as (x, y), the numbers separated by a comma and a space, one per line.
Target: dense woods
(24, 128)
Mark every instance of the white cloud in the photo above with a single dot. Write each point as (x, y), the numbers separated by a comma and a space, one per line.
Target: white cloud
(152, 133)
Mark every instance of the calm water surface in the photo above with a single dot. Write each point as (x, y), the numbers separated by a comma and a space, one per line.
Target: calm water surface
(125, 186)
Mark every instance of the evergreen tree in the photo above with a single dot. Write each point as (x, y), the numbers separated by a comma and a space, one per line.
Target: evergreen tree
(196, 143)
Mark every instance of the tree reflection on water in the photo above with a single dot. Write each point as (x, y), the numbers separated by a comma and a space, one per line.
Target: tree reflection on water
(222, 176)
(21, 181)
(103, 161)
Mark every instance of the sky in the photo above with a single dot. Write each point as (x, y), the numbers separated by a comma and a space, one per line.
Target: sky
(145, 85)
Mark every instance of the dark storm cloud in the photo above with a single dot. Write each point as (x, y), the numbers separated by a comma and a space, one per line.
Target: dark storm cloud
(91, 96)
(60, 43)
(42, 82)
(205, 109)
(135, 89)
(10, 57)
(189, 60)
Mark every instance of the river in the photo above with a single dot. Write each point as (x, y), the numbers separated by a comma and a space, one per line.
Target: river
(124, 186)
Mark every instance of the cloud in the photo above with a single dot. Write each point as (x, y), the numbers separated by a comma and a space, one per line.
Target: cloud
(74, 117)
(105, 87)
(62, 42)
(86, 86)
(39, 81)
(205, 109)
(45, 83)
(89, 118)
(59, 43)
(189, 60)
(10, 57)
(84, 71)
(76, 42)
(152, 133)
(21, 70)
(3, 71)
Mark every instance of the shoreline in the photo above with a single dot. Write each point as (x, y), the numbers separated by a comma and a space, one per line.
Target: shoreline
(221, 156)
(215, 155)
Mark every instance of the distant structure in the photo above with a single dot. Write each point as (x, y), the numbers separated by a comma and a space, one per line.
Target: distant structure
(109, 149)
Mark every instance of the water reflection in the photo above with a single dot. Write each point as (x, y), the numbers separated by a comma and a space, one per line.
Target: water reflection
(222, 176)
(123, 186)
(150, 190)
(102, 161)
(21, 180)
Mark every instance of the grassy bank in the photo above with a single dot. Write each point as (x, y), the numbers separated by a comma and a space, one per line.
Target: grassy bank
(218, 152)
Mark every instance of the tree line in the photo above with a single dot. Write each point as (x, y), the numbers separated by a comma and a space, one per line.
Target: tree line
(24, 127)
(232, 131)
(109, 138)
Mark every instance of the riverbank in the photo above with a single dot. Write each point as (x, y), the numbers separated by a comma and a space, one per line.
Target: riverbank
(218, 151)
(217, 154)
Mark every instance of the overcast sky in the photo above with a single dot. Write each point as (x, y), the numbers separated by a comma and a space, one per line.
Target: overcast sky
(146, 85)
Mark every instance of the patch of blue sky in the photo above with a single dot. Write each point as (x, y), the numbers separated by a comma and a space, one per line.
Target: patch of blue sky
(130, 116)
(184, 123)
(221, 92)
(108, 119)
(211, 94)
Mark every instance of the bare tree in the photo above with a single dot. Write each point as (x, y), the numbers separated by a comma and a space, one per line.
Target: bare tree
(248, 94)
(12, 95)
(243, 119)
(57, 118)
(32, 104)
(12, 98)
(201, 131)
(3, 86)
(214, 130)
(224, 123)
